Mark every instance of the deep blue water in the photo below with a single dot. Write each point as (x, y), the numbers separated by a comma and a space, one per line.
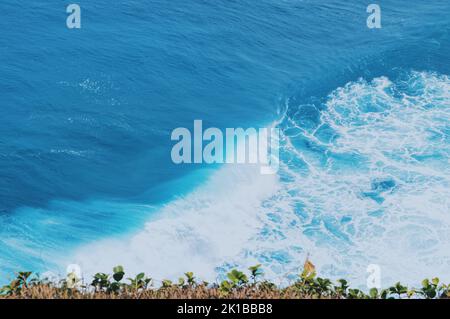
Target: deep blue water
(87, 116)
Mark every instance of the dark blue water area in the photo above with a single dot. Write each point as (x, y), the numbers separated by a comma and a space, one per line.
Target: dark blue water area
(86, 115)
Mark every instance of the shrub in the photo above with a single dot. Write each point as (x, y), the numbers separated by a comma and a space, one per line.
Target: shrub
(237, 285)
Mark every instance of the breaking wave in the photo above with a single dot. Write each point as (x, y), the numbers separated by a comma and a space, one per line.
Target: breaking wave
(364, 179)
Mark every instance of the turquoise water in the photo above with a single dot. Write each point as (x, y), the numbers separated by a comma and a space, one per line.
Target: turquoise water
(86, 174)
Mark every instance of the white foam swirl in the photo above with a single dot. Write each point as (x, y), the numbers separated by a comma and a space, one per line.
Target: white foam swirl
(368, 184)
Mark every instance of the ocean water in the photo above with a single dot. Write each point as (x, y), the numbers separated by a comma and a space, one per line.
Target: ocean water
(85, 170)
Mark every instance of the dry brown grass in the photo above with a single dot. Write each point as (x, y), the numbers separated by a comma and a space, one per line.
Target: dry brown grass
(43, 291)
(237, 286)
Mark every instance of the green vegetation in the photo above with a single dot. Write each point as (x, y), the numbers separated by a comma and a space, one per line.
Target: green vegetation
(237, 285)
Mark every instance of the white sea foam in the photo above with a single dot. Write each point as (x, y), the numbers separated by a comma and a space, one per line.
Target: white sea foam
(377, 189)
(195, 233)
(371, 186)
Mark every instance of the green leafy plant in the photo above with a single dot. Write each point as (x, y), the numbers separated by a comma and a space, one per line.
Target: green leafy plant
(429, 288)
(118, 273)
(166, 283)
(236, 285)
(101, 281)
(356, 294)
(226, 287)
(398, 289)
(190, 278)
(373, 293)
(341, 290)
(140, 281)
(17, 284)
(255, 272)
(238, 278)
